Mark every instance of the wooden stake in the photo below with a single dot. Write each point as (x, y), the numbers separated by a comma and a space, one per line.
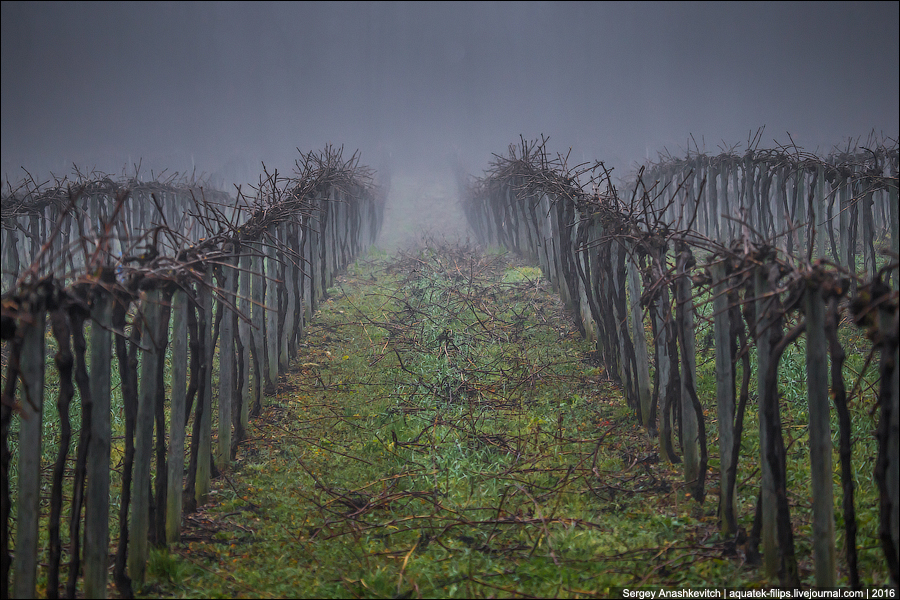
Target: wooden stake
(690, 426)
(96, 516)
(177, 423)
(143, 437)
(31, 402)
(204, 448)
(226, 368)
(820, 446)
(725, 403)
(640, 338)
(763, 345)
(244, 305)
(271, 339)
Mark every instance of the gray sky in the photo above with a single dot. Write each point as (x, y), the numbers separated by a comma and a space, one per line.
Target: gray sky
(415, 86)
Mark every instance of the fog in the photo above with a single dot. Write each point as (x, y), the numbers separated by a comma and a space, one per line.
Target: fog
(421, 88)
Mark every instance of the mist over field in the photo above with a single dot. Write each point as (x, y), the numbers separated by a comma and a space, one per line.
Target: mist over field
(218, 89)
(422, 209)
(383, 299)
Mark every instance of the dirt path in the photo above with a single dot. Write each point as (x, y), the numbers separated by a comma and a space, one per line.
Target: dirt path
(447, 433)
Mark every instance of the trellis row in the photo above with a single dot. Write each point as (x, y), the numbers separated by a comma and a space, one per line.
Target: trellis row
(619, 264)
(267, 277)
(796, 199)
(30, 216)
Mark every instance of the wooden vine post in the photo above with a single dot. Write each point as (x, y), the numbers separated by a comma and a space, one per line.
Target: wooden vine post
(258, 326)
(640, 338)
(844, 223)
(31, 402)
(244, 305)
(582, 263)
(204, 448)
(894, 204)
(284, 352)
(763, 333)
(96, 518)
(271, 338)
(893, 462)
(712, 193)
(143, 436)
(820, 445)
(694, 469)
(887, 469)
(819, 213)
(666, 364)
(226, 365)
(177, 415)
(617, 286)
(725, 396)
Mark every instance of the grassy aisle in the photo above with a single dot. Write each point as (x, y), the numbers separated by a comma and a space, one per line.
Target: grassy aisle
(447, 434)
